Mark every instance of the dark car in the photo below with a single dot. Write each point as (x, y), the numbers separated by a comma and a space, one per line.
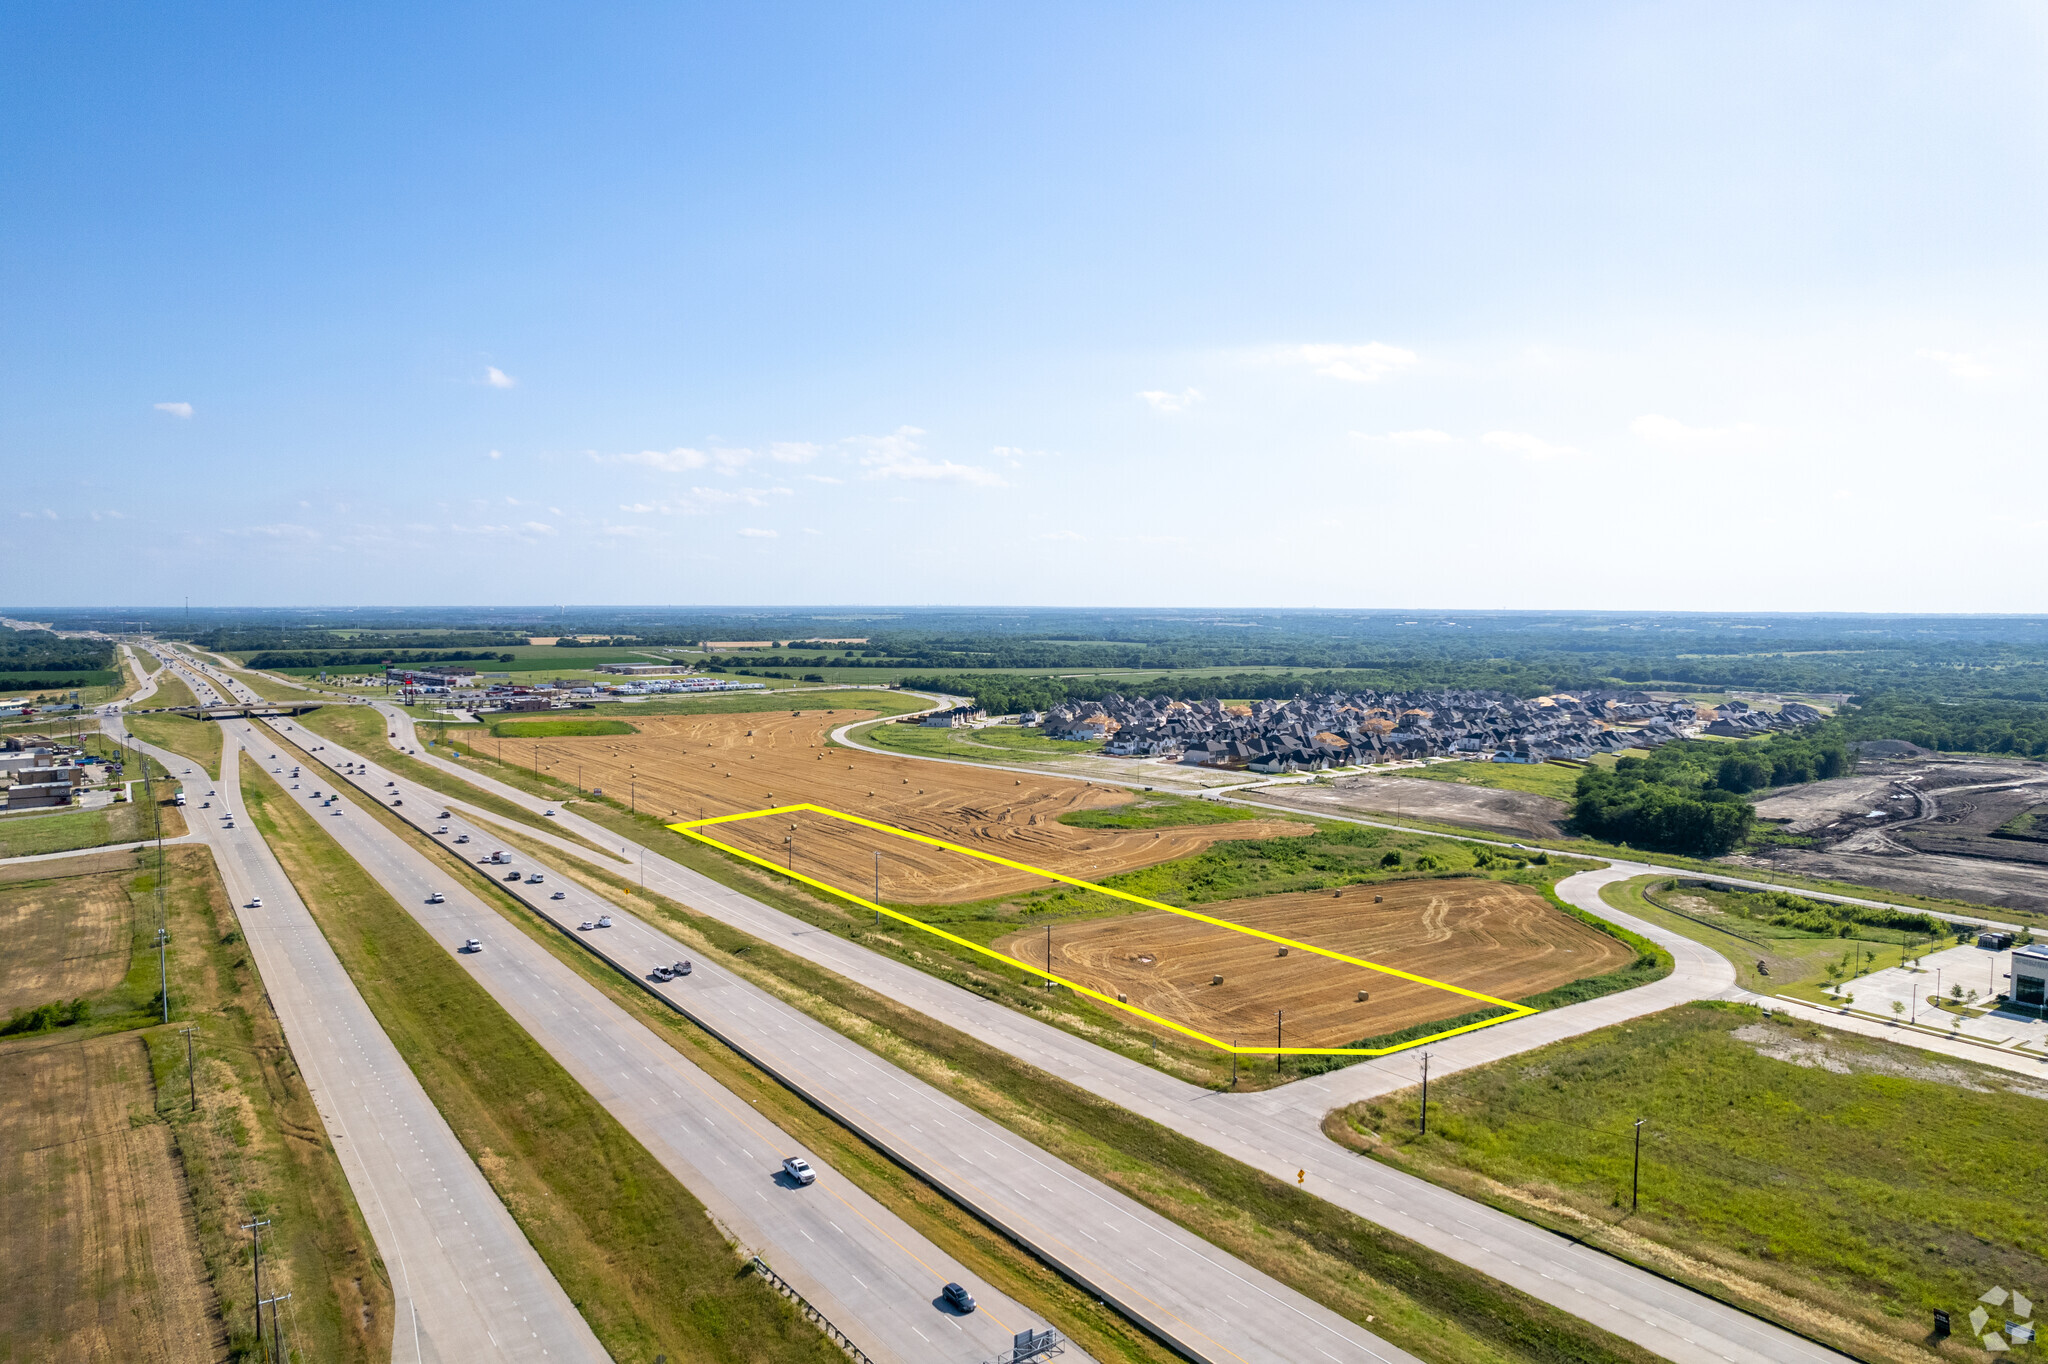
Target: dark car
(511, 876)
(958, 1298)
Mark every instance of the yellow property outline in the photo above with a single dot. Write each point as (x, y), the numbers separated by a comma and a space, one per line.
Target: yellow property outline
(690, 830)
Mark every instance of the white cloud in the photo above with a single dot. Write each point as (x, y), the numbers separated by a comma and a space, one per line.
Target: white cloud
(497, 454)
(1366, 364)
(109, 516)
(1671, 431)
(896, 456)
(1528, 446)
(1060, 535)
(756, 533)
(44, 515)
(812, 530)
(279, 530)
(536, 527)
(1424, 436)
(683, 459)
(182, 410)
(1960, 365)
(1170, 403)
(498, 378)
(793, 451)
(822, 478)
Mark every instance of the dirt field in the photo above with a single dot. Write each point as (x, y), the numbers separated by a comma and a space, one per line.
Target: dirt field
(1519, 814)
(691, 766)
(1503, 940)
(102, 1257)
(64, 939)
(1961, 828)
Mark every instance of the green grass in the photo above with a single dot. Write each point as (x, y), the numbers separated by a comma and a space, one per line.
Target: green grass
(989, 1255)
(362, 729)
(1847, 1197)
(997, 743)
(66, 831)
(1768, 958)
(255, 1145)
(632, 1248)
(558, 729)
(1543, 779)
(1158, 812)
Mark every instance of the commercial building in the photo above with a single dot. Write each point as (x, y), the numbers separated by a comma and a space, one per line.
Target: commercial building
(2030, 976)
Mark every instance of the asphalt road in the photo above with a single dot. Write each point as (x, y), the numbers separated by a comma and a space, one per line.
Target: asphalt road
(1211, 1306)
(466, 1283)
(864, 1268)
(1279, 1131)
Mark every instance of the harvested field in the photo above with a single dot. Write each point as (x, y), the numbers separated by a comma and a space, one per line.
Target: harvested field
(65, 938)
(1518, 814)
(690, 766)
(1494, 937)
(102, 1255)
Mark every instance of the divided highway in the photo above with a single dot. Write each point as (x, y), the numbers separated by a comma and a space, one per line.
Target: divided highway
(870, 1273)
(1209, 1305)
(1279, 1132)
(466, 1283)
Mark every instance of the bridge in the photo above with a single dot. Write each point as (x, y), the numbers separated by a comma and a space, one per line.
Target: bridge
(236, 711)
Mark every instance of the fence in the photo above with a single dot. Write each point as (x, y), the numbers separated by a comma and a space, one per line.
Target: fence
(811, 1314)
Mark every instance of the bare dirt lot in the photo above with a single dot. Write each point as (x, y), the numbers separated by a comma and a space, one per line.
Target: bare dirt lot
(1500, 939)
(102, 1257)
(1963, 828)
(1520, 814)
(692, 766)
(65, 938)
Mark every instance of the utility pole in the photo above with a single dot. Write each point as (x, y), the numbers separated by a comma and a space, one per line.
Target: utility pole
(255, 1229)
(1048, 954)
(878, 890)
(163, 971)
(1233, 1063)
(191, 1075)
(277, 1354)
(1635, 1182)
(1279, 1019)
(1425, 1094)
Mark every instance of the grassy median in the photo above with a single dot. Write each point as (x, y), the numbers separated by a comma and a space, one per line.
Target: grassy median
(632, 1248)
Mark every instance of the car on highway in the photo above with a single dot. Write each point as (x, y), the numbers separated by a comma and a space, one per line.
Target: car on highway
(605, 921)
(472, 945)
(958, 1298)
(511, 876)
(437, 898)
(799, 1169)
(682, 968)
(462, 838)
(441, 829)
(559, 895)
(585, 926)
(255, 902)
(534, 879)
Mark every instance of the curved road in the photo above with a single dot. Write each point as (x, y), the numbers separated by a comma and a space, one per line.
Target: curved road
(1279, 1131)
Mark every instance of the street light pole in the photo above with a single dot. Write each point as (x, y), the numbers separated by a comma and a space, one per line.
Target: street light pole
(1636, 1176)
(1425, 1094)
(191, 1076)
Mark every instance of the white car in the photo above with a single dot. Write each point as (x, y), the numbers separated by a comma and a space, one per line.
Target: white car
(442, 829)
(255, 902)
(436, 898)
(585, 926)
(462, 838)
(799, 1169)
(535, 879)
(605, 921)
(472, 945)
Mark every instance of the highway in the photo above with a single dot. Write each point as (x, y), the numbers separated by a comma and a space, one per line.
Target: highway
(1209, 1305)
(466, 1283)
(869, 1272)
(1279, 1131)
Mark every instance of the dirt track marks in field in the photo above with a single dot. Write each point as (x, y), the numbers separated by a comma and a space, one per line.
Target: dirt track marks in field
(1500, 939)
(689, 767)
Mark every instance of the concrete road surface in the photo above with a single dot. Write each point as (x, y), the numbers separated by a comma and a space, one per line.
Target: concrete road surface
(869, 1272)
(1210, 1305)
(466, 1283)
(1279, 1131)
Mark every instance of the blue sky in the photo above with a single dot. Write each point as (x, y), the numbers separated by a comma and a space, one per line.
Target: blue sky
(1629, 306)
